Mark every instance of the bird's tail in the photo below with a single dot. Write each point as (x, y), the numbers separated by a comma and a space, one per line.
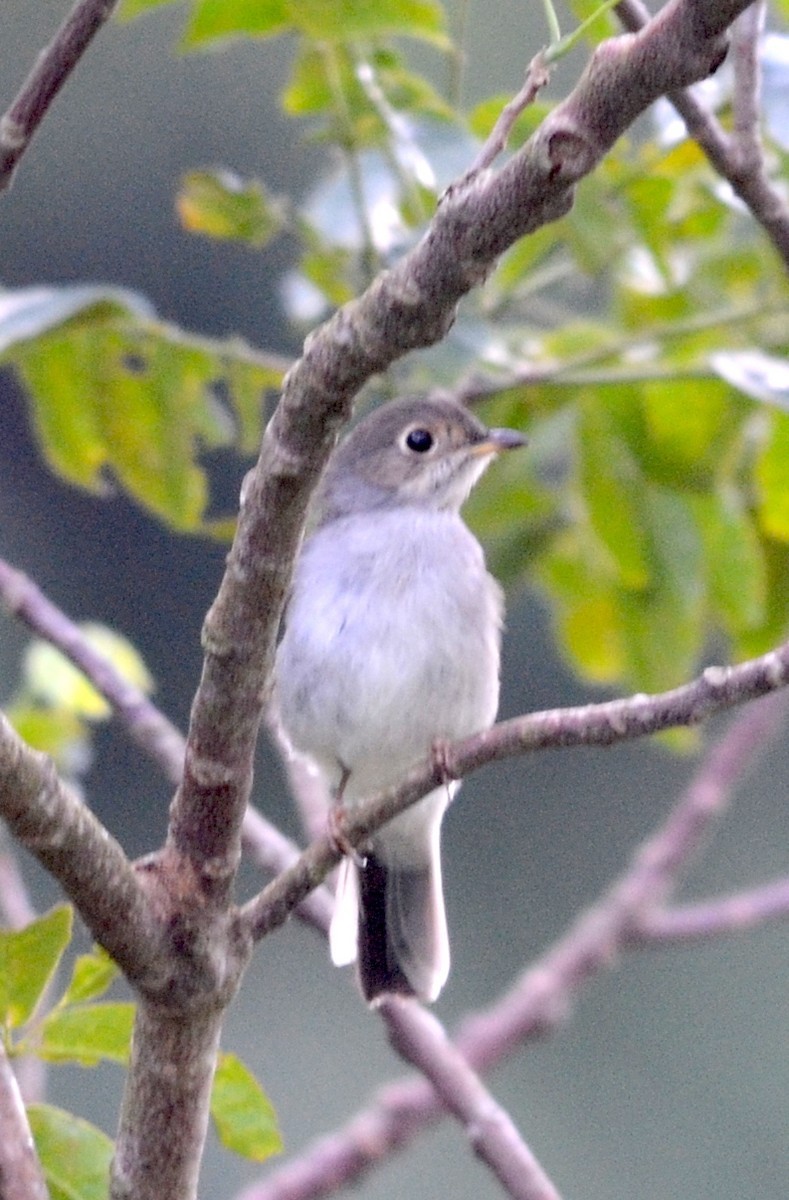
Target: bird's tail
(390, 914)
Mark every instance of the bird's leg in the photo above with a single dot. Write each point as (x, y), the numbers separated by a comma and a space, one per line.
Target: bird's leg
(336, 820)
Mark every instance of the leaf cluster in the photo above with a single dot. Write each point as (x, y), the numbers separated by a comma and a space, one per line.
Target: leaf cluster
(84, 1028)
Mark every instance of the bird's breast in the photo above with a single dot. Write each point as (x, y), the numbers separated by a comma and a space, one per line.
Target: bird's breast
(392, 643)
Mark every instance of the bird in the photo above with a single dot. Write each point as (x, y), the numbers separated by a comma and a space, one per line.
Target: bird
(391, 649)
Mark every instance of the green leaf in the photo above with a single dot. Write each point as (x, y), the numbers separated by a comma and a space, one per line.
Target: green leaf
(28, 960)
(244, 1116)
(128, 10)
(88, 1034)
(612, 488)
(663, 630)
(340, 20)
(58, 732)
(690, 427)
(735, 560)
(92, 975)
(54, 681)
(604, 26)
(110, 388)
(583, 598)
(75, 1156)
(772, 476)
(219, 204)
(214, 20)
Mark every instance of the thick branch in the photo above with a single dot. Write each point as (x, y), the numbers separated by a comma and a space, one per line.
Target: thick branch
(165, 1104)
(51, 70)
(66, 838)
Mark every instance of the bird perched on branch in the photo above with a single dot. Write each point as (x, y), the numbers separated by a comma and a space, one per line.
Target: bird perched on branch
(391, 648)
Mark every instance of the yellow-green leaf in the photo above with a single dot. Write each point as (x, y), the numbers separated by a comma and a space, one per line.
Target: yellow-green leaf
(772, 476)
(340, 20)
(53, 680)
(243, 1114)
(110, 388)
(92, 975)
(88, 1033)
(613, 492)
(75, 1155)
(219, 204)
(28, 960)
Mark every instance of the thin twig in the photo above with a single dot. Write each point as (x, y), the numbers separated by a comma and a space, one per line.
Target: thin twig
(717, 688)
(50, 71)
(711, 918)
(420, 1039)
(537, 76)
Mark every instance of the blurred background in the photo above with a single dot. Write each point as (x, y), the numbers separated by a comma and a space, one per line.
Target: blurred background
(671, 1077)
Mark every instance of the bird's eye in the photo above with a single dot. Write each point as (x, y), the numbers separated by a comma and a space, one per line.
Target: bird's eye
(419, 440)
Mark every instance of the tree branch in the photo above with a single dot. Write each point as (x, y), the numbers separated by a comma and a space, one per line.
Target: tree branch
(717, 688)
(145, 723)
(63, 834)
(420, 1039)
(753, 186)
(712, 918)
(21, 1177)
(50, 71)
(542, 998)
(170, 1075)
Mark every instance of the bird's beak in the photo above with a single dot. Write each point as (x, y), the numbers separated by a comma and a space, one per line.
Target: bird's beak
(498, 440)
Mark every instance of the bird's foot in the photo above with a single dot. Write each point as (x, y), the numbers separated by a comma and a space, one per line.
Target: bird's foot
(336, 830)
(441, 756)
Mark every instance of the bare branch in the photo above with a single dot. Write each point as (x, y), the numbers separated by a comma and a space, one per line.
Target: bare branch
(50, 71)
(307, 787)
(419, 1038)
(149, 728)
(541, 999)
(746, 31)
(21, 1177)
(146, 724)
(715, 689)
(713, 918)
(537, 76)
(66, 838)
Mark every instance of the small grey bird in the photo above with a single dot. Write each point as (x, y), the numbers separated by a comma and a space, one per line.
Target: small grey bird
(391, 646)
